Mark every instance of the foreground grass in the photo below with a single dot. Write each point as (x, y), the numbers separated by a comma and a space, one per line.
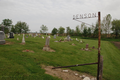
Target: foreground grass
(17, 65)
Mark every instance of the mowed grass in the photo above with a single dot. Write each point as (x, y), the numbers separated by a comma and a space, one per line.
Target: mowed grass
(18, 65)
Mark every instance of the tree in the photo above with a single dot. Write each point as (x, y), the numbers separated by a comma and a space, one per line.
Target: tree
(85, 32)
(54, 31)
(44, 29)
(89, 31)
(61, 30)
(106, 24)
(6, 23)
(82, 27)
(21, 27)
(116, 27)
(13, 29)
(95, 33)
(77, 30)
(68, 30)
(72, 32)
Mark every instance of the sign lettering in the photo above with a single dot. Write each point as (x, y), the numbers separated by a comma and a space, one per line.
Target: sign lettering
(84, 16)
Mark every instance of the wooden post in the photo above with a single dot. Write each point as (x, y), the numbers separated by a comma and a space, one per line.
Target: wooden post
(99, 37)
(101, 68)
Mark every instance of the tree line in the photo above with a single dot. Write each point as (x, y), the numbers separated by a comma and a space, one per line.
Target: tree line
(109, 29)
(19, 27)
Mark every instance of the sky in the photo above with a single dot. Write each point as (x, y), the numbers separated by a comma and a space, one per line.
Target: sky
(56, 13)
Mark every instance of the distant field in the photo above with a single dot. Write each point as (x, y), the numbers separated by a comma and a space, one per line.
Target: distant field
(17, 65)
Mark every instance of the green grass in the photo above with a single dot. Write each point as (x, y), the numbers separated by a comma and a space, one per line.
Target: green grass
(18, 65)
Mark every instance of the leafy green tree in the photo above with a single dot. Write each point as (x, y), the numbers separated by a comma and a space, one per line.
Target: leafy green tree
(89, 31)
(13, 29)
(21, 27)
(77, 30)
(95, 33)
(68, 30)
(116, 27)
(44, 29)
(72, 32)
(106, 24)
(85, 32)
(54, 31)
(82, 27)
(7, 23)
(61, 30)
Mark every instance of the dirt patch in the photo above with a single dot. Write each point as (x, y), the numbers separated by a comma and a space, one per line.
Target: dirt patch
(8, 43)
(117, 44)
(67, 74)
(48, 49)
(28, 51)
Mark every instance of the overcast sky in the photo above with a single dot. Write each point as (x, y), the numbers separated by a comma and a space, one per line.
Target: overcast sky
(56, 13)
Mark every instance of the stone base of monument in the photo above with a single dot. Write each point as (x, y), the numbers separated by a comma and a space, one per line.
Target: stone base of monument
(2, 41)
(48, 49)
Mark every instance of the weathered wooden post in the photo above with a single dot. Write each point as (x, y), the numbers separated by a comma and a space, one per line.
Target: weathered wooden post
(101, 68)
(99, 37)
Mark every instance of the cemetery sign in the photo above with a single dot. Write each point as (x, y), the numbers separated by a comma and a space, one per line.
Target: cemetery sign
(84, 16)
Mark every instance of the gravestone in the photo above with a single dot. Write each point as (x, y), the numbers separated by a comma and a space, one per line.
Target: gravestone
(55, 36)
(23, 39)
(86, 47)
(81, 41)
(11, 35)
(49, 36)
(43, 37)
(77, 39)
(36, 34)
(2, 36)
(68, 38)
(46, 47)
(18, 39)
(27, 36)
(8, 35)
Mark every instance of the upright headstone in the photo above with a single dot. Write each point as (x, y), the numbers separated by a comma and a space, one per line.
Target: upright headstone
(11, 35)
(47, 42)
(36, 34)
(18, 39)
(2, 36)
(55, 36)
(23, 39)
(86, 47)
(43, 37)
(8, 35)
(49, 37)
(46, 47)
(68, 38)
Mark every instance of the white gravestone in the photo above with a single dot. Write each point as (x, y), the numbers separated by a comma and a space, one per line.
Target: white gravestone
(23, 39)
(43, 37)
(18, 39)
(54, 36)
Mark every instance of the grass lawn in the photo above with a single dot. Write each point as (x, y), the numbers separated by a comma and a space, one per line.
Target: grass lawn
(17, 65)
